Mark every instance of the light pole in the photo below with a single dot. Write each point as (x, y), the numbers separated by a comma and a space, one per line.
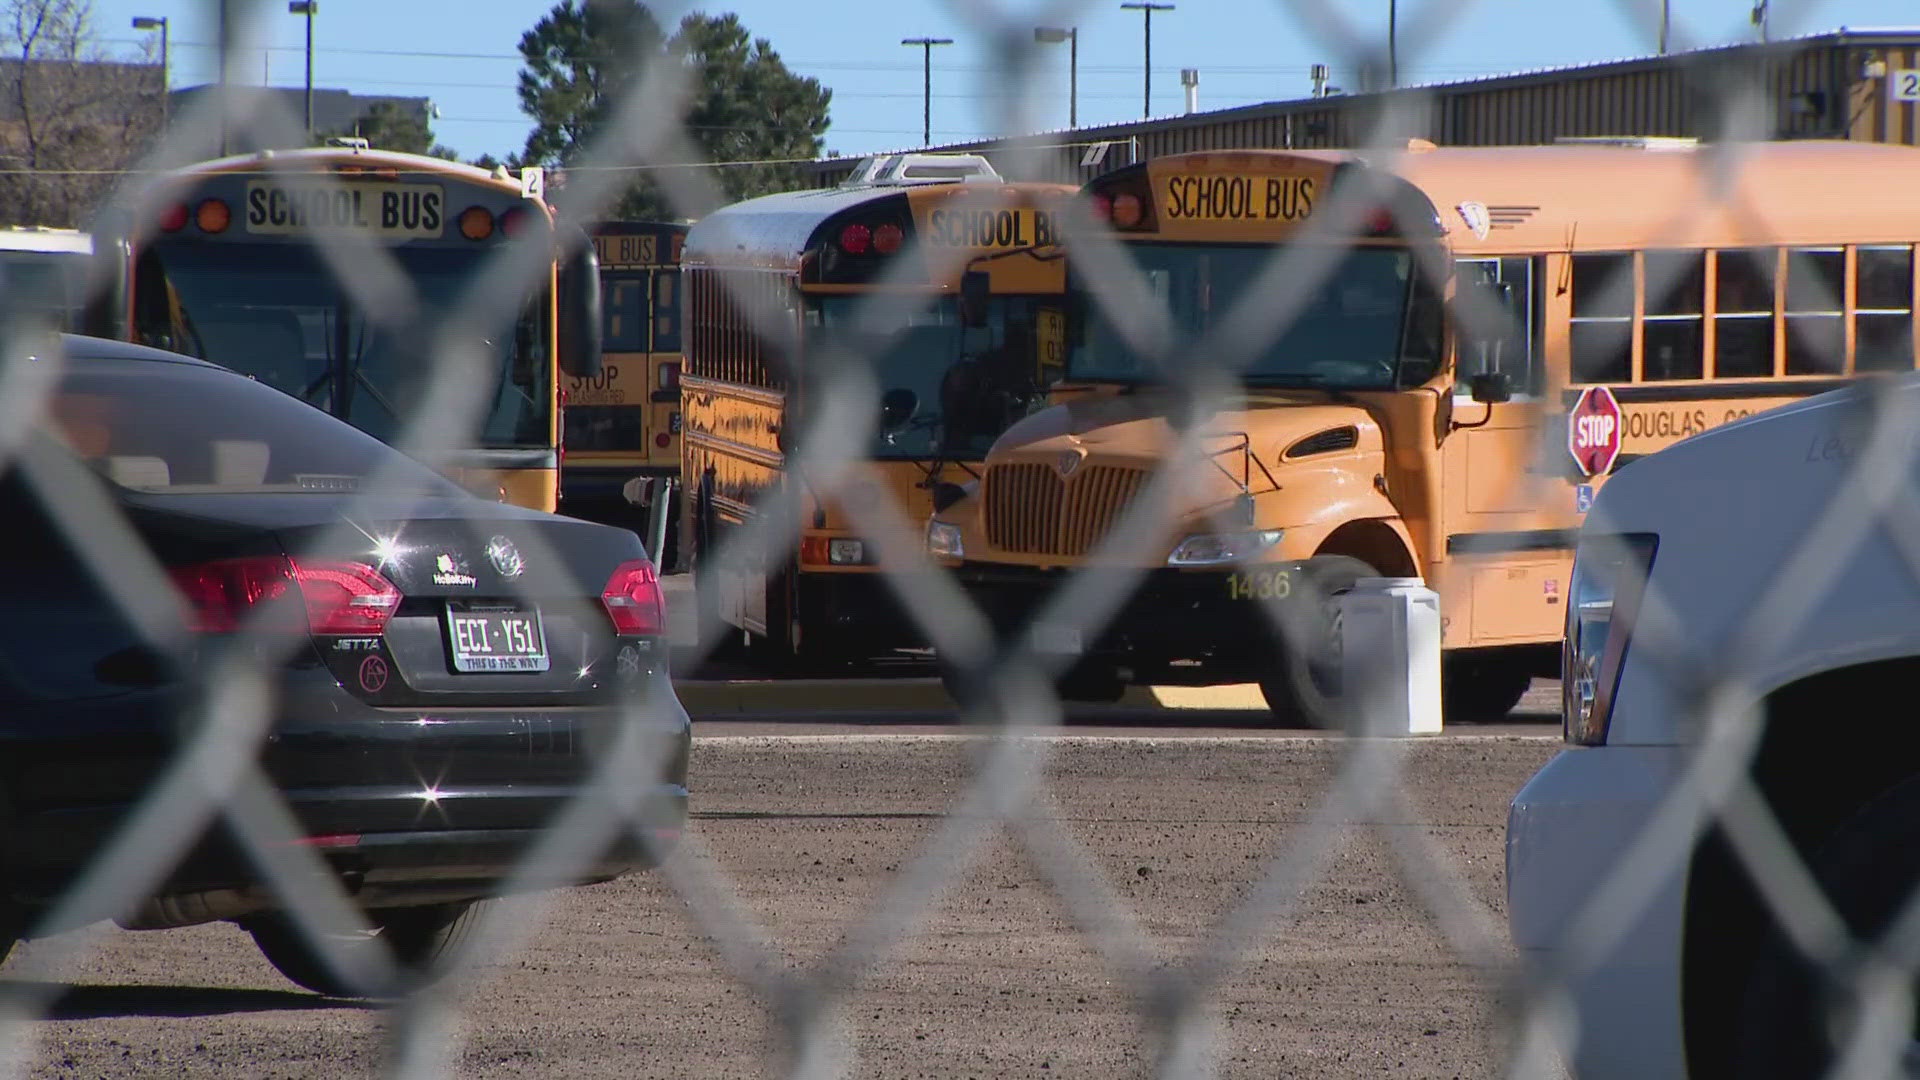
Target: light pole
(1054, 35)
(926, 101)
(1666, 19)
(142, 22)
(308, 8)
(1147, 10)
(1393, 51)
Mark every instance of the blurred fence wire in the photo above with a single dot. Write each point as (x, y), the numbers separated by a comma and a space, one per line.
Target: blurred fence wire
(213, 776)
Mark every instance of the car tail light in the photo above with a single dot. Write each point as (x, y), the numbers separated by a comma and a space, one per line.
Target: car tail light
(346, 598)
(341, 598)
(633, 600)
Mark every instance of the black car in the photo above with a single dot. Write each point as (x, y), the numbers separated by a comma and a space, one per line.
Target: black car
(445, 672)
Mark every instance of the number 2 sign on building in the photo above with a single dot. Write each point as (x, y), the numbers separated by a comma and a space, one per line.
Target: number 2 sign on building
(1594, 430)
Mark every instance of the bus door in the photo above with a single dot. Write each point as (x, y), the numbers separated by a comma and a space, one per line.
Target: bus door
(1507, 496)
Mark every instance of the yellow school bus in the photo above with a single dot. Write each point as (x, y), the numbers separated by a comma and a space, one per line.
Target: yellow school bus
(222, 260)
(1381, 434)
(623, 423)
(979, 348)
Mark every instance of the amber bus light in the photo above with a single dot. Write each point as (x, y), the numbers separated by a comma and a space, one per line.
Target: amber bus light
(213, 216)
(476, 223)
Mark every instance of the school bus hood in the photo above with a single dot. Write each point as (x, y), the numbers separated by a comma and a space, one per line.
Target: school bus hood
(1134, 429)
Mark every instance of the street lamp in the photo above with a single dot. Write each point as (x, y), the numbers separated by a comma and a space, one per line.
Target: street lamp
(926, 102)
(142, 22)
(1054, 35)
(308, 8)
(1147, 10)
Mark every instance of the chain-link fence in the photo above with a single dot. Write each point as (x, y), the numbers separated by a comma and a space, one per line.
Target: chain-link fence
(212, 777)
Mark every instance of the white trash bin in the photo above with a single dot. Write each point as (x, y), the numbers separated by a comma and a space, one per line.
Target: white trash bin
(1390, 651)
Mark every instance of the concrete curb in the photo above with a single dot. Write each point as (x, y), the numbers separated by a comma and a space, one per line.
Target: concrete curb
(756, 696)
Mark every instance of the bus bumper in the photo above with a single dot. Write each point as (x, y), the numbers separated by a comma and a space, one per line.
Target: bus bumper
(1173, 626)
(857, 612)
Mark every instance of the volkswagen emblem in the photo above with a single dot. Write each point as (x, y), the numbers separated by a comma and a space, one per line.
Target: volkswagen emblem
(1069, 461)
(505, 557)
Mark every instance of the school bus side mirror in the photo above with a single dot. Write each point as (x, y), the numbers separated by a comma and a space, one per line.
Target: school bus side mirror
(1491, 387)
(976, 289)
(580, 309)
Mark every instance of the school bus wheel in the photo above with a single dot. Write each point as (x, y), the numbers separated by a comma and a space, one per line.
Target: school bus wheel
(1302, 687)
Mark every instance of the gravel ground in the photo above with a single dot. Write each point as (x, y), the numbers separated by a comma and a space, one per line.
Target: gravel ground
(997, 980)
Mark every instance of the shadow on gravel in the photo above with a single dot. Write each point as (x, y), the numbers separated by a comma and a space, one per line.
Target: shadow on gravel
(94, 1002)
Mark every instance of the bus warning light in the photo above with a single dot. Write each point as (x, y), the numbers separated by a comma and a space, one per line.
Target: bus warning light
(662, 440)
(1102, 208)
(855, 238)
(213, 216)
(886, 238)
(174, 219)
(1126, 210)
(476, 223)
(513, 222)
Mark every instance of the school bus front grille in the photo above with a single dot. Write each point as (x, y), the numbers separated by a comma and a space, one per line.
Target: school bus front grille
(1032, 510)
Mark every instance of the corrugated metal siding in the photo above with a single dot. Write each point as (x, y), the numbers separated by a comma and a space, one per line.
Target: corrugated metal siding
(1811, 89)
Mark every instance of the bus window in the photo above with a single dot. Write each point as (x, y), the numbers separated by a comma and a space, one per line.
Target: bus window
(1816, 317)
(625, 315)
(666, 311)
(1601, 337)
(1743, 308)
(1883, 309)
(1519, 353)
(1672, 345)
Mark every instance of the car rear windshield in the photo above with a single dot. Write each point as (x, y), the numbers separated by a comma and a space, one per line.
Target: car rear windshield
(177, 428)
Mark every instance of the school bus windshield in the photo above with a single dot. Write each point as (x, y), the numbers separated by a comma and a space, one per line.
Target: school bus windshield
(968, 384)
(1372, 323)
(273, 311)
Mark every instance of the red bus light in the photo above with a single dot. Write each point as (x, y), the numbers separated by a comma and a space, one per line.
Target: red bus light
(887, 238)
(855, 239)
(174, 218)
(1102, 208)
(514, 221)
(1126, 210)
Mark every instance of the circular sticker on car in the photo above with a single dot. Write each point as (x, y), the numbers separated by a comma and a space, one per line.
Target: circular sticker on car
(373, 674)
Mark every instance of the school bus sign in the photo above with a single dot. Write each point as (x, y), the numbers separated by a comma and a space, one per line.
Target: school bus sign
(1594, 430)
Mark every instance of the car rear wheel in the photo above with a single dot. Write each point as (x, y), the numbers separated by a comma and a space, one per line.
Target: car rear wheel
(1303, 688)
(417, 936)
(1796, 1019)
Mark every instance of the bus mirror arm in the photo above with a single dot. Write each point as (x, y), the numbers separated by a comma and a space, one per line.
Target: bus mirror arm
(1489, 388)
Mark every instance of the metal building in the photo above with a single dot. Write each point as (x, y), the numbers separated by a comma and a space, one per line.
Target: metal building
(1846, 84)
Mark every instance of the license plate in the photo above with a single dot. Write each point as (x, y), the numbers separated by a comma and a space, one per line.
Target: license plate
(1055, 638)
(496, 641)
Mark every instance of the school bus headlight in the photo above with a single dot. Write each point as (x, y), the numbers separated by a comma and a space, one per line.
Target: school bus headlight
(944, 540)
(1214, 549)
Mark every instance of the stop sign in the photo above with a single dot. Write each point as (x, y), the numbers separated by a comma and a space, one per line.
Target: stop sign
(1594, 430)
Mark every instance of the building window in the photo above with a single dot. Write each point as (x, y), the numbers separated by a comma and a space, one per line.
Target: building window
(1672, 344)
(1601, 334)
(1816, 311)
(1883, 309)
(1743, 310)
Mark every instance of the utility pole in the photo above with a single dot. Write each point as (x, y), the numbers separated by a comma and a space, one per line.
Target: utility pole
(308, 8)
(1147, 10)
(1393, 52)
(143, 22)
(1054, 35)
(1666, 22)
(226, 105)
(926, 100)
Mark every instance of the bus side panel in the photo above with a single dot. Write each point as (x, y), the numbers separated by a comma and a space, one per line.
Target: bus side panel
(732, 451)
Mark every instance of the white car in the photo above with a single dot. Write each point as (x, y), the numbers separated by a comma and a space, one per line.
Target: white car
(1765, 565)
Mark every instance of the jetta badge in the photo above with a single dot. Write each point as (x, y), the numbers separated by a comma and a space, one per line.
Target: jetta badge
(1069, 461)
(505, 557)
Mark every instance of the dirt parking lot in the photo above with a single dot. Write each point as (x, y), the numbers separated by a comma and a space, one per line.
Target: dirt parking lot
(996, 982)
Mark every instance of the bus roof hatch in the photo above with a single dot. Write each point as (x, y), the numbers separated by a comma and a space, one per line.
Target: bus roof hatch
(924, 168)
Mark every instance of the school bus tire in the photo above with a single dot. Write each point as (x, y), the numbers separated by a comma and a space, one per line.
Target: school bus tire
(1302, 689)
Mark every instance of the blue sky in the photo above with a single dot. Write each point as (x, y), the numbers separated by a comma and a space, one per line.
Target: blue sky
(462, 54)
